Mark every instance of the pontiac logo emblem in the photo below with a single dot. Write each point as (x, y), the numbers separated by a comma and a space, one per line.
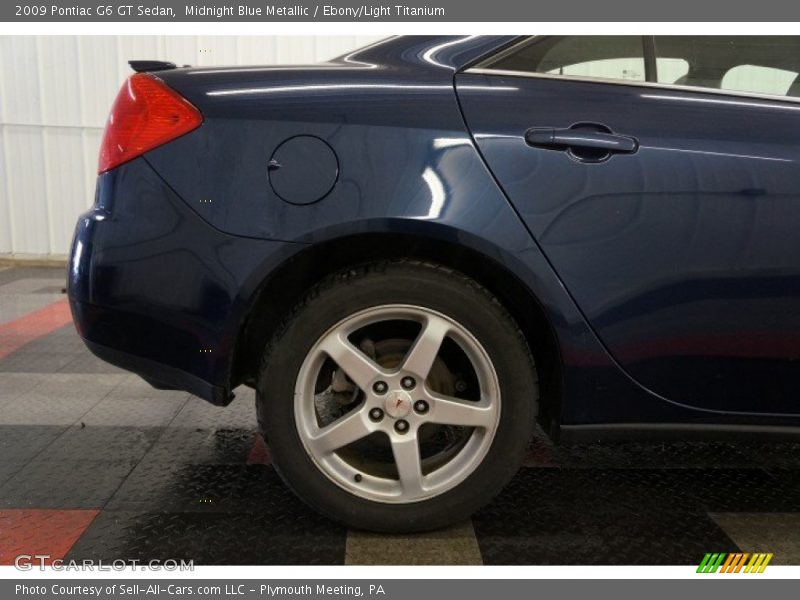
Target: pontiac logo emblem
(397, 404)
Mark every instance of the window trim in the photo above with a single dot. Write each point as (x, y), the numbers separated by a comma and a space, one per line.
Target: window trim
(477, 69)
(650, 58)
(792, 100)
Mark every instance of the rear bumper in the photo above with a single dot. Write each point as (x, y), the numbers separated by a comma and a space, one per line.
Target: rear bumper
(159, 375)
(157, 291)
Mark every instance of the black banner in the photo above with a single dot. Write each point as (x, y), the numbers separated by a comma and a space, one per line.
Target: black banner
(711, 586)
(399, 11)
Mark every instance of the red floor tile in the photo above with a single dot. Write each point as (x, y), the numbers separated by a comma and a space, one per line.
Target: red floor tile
(17, 333)
(259, 455)
(40, 531)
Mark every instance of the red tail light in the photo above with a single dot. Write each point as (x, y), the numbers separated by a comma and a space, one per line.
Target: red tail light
(145, 115)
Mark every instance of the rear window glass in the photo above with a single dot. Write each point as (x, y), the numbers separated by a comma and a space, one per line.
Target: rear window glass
(764, 80)
(757, 64)
(605, 57)
(671, 70)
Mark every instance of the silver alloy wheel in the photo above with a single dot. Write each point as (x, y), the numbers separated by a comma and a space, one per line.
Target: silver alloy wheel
(399, 406)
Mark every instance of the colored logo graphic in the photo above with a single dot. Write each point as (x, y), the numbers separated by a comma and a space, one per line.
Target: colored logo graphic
(738, 562)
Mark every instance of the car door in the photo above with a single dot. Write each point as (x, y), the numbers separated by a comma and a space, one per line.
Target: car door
(660, 177)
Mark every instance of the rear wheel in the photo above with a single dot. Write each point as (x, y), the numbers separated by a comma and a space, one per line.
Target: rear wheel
(397, 397)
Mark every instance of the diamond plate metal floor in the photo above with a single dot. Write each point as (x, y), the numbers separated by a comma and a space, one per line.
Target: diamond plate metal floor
(94, 463)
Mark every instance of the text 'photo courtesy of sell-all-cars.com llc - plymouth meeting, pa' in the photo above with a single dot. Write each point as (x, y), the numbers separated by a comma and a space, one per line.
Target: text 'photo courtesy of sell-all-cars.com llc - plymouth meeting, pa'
(417, 250)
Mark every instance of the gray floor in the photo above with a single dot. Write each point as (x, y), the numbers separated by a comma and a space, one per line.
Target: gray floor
(171, 475)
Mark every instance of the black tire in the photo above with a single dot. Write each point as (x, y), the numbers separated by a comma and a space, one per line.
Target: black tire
(402, 282)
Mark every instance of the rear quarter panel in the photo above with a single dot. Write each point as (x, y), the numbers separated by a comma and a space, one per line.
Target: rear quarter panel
(407, 163)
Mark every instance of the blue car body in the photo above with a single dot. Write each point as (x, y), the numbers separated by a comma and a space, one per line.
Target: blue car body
(658, 290)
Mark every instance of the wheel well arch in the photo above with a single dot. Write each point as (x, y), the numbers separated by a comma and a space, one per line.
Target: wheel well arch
(286, 285)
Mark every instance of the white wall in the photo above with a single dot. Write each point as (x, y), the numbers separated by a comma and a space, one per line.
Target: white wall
(55, 92)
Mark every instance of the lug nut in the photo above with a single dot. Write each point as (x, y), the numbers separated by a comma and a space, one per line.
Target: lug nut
(380, 387)
(376, 414)
(408, 383)
(401, 426)
(421, 406)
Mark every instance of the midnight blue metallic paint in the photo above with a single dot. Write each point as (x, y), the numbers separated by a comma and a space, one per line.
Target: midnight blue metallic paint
(167, 265)
(685, 255)
(150, 279)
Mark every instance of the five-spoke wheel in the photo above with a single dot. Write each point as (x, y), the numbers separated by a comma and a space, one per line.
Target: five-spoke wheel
(397, 401)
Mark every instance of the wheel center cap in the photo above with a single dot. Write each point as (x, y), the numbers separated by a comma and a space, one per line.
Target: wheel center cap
(397, 404)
